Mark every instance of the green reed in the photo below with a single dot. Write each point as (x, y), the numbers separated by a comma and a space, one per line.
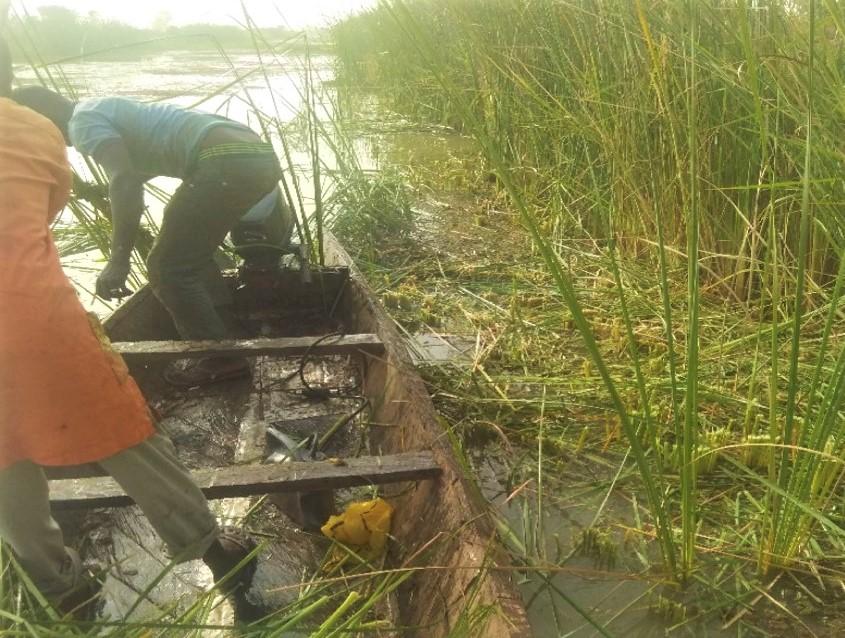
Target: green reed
(615, 123)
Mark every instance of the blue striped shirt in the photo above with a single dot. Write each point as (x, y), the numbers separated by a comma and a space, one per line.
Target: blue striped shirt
(162, 139)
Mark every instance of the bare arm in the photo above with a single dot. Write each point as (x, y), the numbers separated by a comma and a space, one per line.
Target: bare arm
(126, 192)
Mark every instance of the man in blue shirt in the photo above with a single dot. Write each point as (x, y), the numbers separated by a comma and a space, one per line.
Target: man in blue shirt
(225, 169)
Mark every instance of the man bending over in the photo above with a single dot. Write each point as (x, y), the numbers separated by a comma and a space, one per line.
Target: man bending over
(225, 170)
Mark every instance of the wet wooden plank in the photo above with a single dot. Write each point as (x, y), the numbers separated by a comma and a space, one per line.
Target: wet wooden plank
(74, 471)
(251, 480)
(288, 346)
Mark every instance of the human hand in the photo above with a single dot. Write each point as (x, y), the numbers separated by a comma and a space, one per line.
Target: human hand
(111, 284)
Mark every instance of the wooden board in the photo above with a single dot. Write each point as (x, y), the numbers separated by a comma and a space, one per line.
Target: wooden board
(289, 346)
(251, 480)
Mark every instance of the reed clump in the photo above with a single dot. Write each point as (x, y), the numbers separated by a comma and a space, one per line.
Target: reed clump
(667, 173)
(587, 100)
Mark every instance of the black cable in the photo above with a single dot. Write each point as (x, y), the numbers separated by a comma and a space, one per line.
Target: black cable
(307, 389)
(318, 393)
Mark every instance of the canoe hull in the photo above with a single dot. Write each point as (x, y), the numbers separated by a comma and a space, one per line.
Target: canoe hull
(441, 524)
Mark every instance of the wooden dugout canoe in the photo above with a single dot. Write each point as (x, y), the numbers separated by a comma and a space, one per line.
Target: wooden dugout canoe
(440, 523)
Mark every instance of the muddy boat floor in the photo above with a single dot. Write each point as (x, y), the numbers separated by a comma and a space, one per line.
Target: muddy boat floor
(220, 425)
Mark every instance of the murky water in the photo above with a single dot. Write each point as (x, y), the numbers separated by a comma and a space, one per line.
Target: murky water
(609, 589)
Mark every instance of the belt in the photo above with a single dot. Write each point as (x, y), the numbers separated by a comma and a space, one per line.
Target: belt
(236, 148)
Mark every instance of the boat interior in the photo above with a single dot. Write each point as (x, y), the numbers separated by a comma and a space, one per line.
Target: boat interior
(331, 381)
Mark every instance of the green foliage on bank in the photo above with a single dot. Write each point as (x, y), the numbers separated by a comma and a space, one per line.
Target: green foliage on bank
(588, 102)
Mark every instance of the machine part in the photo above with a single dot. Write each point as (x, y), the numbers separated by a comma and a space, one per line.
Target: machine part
(263, 235)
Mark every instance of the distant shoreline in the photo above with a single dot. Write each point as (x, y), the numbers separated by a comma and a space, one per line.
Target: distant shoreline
(135, 51)
(59, 35)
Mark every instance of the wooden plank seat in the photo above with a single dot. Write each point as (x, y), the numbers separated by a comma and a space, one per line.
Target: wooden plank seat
(286, 346)
(251, 480)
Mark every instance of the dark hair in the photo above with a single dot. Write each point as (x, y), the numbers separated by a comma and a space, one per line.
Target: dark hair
(5, 69)
(55, 107)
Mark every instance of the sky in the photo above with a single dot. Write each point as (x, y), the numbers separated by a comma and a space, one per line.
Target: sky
(142, 13)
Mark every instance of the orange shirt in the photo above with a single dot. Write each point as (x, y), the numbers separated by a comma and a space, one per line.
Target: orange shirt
(63, 399)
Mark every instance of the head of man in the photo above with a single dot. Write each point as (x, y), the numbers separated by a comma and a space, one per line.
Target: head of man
(5, 69)
(55, 107)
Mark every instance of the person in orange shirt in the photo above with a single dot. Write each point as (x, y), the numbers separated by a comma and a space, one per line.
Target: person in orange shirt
(64, 398)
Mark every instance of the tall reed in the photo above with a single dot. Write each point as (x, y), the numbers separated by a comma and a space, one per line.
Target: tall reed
(591, 96)
(620, 122)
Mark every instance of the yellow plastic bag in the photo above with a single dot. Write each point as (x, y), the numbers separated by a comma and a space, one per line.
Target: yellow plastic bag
(364, 526)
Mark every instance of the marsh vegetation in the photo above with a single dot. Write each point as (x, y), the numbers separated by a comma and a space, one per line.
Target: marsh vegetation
(633, 209)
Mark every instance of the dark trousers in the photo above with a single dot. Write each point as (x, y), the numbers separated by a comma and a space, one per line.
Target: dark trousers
(149, 472)
(205, 207)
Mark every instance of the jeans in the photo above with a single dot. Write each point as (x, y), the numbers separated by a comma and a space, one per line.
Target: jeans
(206, 206)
